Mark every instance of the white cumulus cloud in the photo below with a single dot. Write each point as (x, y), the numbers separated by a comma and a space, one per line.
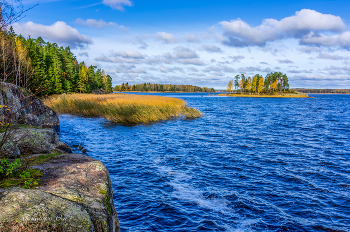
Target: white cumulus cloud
(184, 53)
(286, 61)
(117, 4)
(211, 48)
(239, 33)
(342, 40)
(128, 54)
(93, 23)
(166, 37)
(170, 69)
(191, 38)
(59, 32)
(331, 57)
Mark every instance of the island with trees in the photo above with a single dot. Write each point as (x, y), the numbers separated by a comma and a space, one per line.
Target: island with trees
(148, 87)
(273, 85)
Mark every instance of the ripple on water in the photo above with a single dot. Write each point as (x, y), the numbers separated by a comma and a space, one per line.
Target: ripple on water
(246, 165)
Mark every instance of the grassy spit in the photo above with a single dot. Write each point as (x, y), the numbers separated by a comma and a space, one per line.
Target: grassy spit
(122, 108)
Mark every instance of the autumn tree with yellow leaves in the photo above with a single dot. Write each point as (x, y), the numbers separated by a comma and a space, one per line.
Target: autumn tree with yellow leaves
(260, 84)
(229, 87)
(249, 84)
(255, 83)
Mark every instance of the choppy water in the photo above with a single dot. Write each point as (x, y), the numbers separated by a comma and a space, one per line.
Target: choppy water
(248, 164)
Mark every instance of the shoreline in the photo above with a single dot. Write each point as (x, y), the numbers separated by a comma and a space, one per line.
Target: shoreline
(158, 92)
(330, 93)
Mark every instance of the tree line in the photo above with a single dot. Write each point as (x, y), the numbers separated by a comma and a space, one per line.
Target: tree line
(341, 91)
(46, 68)
(273, 82)
(145, 87)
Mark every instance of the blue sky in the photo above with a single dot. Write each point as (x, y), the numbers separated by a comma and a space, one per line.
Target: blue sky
(203, 43)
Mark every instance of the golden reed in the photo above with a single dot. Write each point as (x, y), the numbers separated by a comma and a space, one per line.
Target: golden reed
(122, 108)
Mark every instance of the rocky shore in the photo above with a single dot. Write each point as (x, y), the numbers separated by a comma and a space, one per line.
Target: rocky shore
(75, 192)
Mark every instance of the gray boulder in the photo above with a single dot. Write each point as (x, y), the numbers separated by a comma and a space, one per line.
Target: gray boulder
(25, 108)
(31, 140)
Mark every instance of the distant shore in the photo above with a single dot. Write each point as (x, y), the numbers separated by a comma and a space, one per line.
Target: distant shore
(158, 92)
(330, 93)
(322, 91)
(299, 95)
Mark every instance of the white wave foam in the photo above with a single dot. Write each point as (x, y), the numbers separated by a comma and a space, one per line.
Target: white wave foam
(157, 160)
(164, 170)
(244, 226)
(185, 191)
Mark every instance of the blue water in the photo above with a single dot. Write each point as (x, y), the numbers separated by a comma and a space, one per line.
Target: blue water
(249, 164)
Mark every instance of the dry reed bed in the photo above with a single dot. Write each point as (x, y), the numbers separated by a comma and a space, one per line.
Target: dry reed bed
(122, 108)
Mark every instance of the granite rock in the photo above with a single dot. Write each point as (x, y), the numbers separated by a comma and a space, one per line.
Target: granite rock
(75, 195)
(31, 140)
(25, 108)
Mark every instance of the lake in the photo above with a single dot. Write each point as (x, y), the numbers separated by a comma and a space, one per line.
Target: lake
(249, 164)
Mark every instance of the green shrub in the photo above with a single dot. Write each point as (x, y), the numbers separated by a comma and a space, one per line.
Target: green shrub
(13, 174)
(8, 169)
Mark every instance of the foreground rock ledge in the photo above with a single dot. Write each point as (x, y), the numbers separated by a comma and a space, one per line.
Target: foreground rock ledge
(76, 195)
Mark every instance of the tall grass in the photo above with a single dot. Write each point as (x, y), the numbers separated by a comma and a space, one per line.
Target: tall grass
(122, 108)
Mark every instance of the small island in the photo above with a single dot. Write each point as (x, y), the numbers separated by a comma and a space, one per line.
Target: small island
(274, 85)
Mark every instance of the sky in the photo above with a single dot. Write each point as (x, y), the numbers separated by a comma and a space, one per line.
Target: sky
(203, 43)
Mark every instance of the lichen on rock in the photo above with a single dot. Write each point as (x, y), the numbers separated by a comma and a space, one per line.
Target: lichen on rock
(71, 182)
(26, 108)
(31, 140)
(34, 210)
(81, 179)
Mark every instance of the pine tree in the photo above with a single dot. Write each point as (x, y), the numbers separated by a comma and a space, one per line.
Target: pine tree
(236, 81)
(68, 86)
(285, 85)
(108, 84)
(242, 83)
